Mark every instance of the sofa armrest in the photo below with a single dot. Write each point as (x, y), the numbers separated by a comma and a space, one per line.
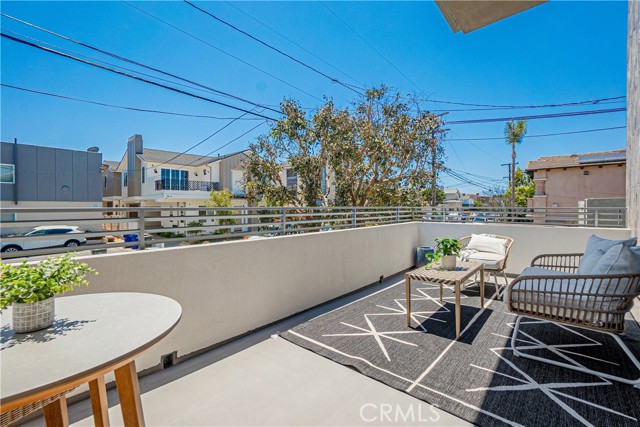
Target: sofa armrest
(566, 263)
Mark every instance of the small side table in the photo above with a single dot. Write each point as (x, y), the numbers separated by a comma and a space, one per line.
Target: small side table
(455, 278)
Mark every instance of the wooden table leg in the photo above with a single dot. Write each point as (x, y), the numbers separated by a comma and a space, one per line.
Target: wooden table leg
(407, 288)
(458, 285)
(55, 413)
(482, 287)
(129, 393)
(99, 402)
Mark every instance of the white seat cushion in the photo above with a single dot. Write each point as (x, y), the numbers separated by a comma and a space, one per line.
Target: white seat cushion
(491, 261)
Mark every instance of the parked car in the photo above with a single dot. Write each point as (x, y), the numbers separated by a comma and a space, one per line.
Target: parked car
(59, 236)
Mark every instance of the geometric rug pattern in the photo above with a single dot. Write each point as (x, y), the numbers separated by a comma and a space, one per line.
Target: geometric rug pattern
(478, 378)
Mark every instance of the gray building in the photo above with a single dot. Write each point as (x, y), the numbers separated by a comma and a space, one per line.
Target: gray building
(44, 177)
(43, 174)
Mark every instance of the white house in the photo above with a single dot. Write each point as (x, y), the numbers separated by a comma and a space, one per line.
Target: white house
(159, 178)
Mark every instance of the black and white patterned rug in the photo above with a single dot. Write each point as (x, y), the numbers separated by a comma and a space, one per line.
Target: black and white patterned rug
(478, 378)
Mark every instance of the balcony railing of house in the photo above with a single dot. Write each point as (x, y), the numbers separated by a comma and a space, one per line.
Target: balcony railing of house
(187, 185)
(154, 226)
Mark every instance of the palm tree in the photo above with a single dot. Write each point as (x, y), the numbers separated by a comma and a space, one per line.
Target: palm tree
(514, 134)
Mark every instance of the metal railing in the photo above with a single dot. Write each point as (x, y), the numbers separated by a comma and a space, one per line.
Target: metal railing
(155, 226)
(188, 185)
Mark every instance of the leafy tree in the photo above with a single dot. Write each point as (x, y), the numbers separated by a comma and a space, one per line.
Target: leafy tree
(194, 224)
(514, 134)
(525, 189)
(376, 152)
(428, 198)
(478, 203)
(222, 199)
(496, 194)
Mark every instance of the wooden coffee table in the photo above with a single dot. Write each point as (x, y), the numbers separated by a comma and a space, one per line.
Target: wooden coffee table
(436, 274)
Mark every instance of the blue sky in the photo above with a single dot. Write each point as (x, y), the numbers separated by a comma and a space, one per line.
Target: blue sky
(561, 51)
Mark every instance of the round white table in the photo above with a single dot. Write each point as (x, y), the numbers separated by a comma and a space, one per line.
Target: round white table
(91, 336)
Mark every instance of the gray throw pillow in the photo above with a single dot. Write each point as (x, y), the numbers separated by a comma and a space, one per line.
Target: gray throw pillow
(596, 248)
(619, 259)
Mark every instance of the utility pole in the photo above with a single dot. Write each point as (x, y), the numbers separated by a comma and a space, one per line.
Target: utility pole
(509, 170)
(434, 176)
(512, 178)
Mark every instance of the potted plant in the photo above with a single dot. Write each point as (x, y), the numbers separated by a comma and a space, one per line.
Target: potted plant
(446, 251)
(30, 289)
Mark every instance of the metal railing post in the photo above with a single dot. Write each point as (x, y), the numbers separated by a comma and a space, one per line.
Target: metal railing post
(141, 227)
(283, 222)
(597, 217)
(397, 215)
(354, 215)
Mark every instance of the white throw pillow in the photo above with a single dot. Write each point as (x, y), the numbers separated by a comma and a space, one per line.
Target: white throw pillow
(482, 243)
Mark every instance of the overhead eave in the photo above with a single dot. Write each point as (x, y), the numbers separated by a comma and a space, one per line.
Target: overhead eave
(469, 15)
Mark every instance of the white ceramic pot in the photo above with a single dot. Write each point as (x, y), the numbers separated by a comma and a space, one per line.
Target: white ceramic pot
(448, 262)
(30, 317)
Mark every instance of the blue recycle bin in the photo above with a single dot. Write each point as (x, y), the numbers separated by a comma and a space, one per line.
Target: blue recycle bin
(131, 238)
(421, 255)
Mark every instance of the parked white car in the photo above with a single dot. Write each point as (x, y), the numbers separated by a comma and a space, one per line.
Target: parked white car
(58, 236)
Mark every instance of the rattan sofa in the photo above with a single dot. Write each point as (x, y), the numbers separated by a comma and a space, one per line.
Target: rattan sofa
(553, 292)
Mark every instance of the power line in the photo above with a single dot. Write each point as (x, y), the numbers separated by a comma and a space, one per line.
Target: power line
(180, 91)
(225, 145)
(220, 50)
(103, 104)
(208, 138)
(315, 70)
(71, 52)
(540, 135)
(461, 178)
(290, 40)
(565, 104)
(540, 116)
(371, 46)
(131, 61)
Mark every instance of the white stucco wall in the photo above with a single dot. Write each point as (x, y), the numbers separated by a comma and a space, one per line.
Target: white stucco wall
(227, 289)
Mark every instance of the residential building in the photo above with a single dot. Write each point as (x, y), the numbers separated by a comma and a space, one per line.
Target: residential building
(579, 180)
(452, 197)
(159, 178)
(46, 178)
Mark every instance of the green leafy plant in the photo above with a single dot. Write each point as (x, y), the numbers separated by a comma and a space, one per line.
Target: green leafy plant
(28, 283)
(194, 224)
(445, 246)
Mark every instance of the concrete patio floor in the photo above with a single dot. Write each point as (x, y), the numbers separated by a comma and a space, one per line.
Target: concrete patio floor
(263, 380)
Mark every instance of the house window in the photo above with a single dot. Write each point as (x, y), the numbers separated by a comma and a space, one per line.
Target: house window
(126, 178)
(105, 181)
(292, 180)
(7, 174)
(7, 217)
(144, 172)
(174, 179)
(237, 183)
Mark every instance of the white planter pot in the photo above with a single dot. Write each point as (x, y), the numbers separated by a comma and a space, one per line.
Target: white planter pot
(448, 262)
(29, 317)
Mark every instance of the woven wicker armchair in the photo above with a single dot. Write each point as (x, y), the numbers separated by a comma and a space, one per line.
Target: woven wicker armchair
(502, 264)
(586, 301)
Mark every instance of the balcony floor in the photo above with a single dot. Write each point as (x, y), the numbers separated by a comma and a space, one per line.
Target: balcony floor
(262, 381)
